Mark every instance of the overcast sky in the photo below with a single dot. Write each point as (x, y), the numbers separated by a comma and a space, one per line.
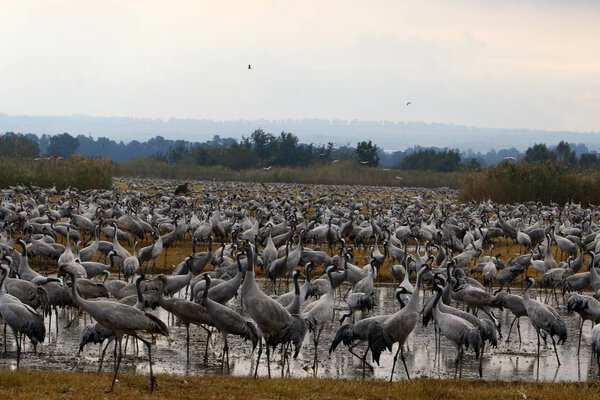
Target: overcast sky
(510, 64)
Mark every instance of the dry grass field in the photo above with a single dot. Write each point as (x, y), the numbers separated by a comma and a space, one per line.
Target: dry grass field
(26, 385)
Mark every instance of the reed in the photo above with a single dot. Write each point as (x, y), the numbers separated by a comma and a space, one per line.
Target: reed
(80, 172)
(522, 182)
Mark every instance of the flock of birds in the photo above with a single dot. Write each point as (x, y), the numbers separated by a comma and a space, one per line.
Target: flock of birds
(69, 250)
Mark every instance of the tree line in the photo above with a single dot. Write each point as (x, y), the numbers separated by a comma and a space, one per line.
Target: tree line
(263, 149)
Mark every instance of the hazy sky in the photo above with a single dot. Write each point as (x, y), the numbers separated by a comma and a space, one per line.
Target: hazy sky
(512, 64)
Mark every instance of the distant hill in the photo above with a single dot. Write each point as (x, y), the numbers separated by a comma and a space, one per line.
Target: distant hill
(386, 134)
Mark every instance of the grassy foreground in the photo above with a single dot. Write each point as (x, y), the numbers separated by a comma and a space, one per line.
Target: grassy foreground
(78, 385)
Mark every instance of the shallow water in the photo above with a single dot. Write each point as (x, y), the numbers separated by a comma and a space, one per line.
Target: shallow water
(510, 361)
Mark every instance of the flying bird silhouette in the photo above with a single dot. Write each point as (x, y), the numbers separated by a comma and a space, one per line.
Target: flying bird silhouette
(408, 103)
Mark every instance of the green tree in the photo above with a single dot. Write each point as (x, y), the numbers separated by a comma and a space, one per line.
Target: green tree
(429, 159)
(264, 144)
(367, 153)
(63, 145)
(589, 161)
(240, 156)
(288, 153)
(565, 154)
(539, 153)
(177, 151)
(18, 145)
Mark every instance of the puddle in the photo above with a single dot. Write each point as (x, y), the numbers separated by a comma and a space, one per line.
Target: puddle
(510, 361)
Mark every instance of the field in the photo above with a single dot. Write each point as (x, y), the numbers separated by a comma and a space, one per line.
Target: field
(26, 385)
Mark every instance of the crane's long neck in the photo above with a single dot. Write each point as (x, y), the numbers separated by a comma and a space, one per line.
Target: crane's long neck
(140, 298)
(414, 298)
(436, 300)
(526, 292)
(83, 303)
(206, 289)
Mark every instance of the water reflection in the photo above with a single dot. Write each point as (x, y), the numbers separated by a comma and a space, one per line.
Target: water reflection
(510, 361)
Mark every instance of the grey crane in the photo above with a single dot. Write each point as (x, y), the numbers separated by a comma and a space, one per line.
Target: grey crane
(174, 283)
(294, 306)
(486, 327)
(356, 333)
(145, 254)
(594, 277)
(224, 291)
(457, 330)
(305, 289)
(21, 318)
(26, 272)
(544, 319)
(228, 322)
(514, 303)
(131, 264)
(189, 313)
(319, 313)
(67, 255)
(587, 307)
(88, 252)
(278, 266)
(96, 333)
(122, 319)
(274, 322)
(397, 327)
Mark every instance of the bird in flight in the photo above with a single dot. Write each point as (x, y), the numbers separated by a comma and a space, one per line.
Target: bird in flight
(408, 103)
(267, 168)
(249, 66)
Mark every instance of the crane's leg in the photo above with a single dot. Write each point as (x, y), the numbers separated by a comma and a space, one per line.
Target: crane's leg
(225, 353)
(460, 361)
(394, 363)
(208, 335)
(519, 329)
(268, 359)
(187, 344)
(316, 334)
(538, 346)
(102, 355)
(258, 358)
(152, 378)
(4, 338)
(118, 357)
(350, 349)
(457, 361)
(555, 352)
(73, 320)
(580, 331)
(364, 360)
(481, 360)
(510, 329)
(18, 347)
(404, 362)
(49, 325)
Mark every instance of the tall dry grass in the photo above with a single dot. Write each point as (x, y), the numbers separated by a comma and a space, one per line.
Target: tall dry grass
(343, 173)
(81, 172)
(520, 182)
